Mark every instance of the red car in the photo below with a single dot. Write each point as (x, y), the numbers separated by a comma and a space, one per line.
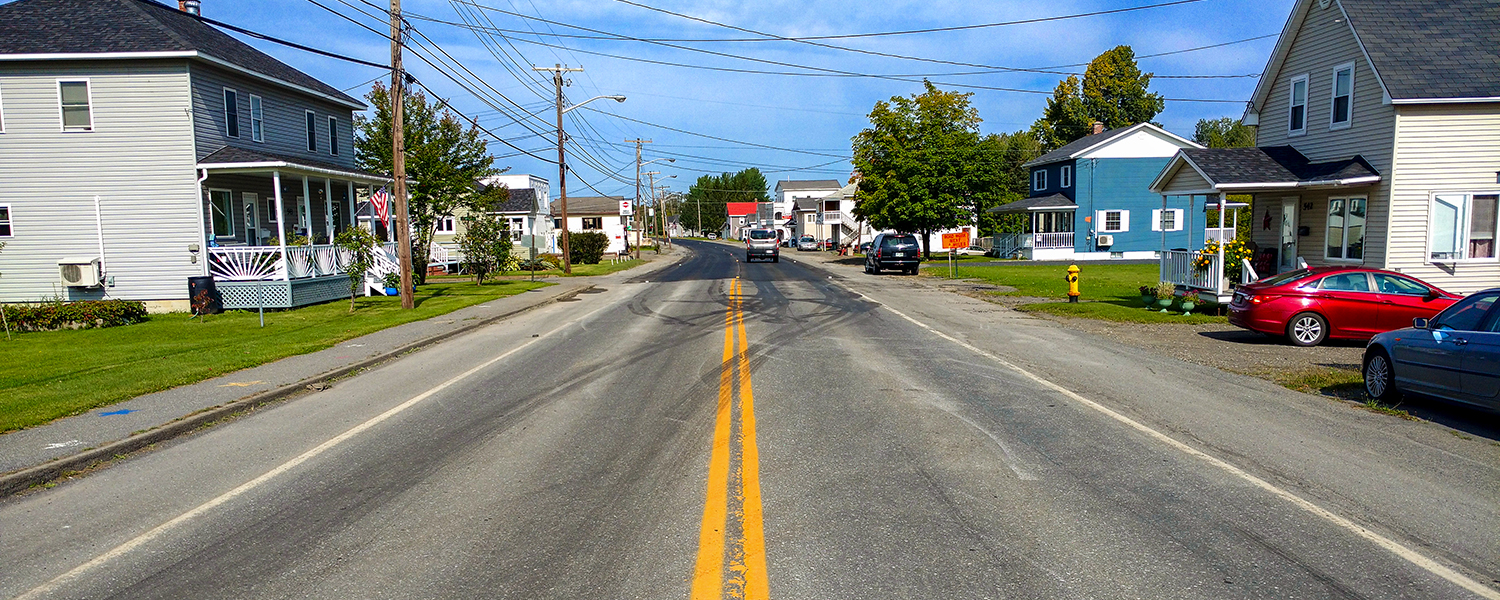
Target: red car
(1352, 303)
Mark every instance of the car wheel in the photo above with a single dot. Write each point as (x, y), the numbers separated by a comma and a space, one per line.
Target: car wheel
(1380, 377)
(775, 259)
(1307, 329)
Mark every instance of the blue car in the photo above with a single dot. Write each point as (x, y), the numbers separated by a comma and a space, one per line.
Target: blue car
(1455, 356)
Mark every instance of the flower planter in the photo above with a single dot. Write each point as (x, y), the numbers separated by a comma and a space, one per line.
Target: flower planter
(1164, 303)
(1188, 306)
(1148, 300)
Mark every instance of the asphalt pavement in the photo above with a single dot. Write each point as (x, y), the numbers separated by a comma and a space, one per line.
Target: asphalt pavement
(788, 430)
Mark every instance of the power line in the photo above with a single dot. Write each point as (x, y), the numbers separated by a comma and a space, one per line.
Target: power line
(711, 137)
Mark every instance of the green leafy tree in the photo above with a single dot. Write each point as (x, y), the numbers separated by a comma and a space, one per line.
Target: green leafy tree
(1113, 91)
(443, 160)
(1224, 133)
(923, 163)
(485, 244)
(1002, 157)
(358, 246)
(586, 247)
(703, 206)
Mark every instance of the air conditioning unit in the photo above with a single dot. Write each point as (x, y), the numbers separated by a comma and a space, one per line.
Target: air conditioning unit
(1105, 241)
(81, 271)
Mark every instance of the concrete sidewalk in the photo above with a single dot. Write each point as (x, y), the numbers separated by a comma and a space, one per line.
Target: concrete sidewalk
(34, 455)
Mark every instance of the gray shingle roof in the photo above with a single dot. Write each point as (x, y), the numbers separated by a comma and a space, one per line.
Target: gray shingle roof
(813, 184)
(1431, 48)
(1064, 152)
(1272, 164)
(589, 205)
(1057, 201)
(112, 26)
(806, 204)
(237, 155)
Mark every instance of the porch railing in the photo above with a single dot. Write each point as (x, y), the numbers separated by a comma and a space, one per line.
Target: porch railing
(264, 263)
(1177, 267)
(1218, 234)
(1053, 240)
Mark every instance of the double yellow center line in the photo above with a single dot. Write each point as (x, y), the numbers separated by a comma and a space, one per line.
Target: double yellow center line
(732, 539)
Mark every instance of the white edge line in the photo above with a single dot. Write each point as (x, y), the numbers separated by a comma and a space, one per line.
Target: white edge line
(162, 529)
(1394, 547)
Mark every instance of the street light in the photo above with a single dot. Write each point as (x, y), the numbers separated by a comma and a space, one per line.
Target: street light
(562, 168)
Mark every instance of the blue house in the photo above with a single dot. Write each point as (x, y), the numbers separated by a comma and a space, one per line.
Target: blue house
(1091, 199)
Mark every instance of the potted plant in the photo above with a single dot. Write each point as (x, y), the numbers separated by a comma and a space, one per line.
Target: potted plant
(1148, 295)
(392, 283)
(1165, 291)
(1188, 303)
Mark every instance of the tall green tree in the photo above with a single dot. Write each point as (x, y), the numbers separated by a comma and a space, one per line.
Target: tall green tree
(1224, 133)
(923, 164)
(443, 160)
(708, 195)
(1006, 154)
(1113, 91)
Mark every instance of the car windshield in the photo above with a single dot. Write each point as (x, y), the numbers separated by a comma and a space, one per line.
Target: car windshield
(1286, 277)
(762, 234)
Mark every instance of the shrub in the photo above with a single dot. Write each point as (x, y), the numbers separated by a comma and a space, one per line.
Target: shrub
(587, 247)
(75, 315)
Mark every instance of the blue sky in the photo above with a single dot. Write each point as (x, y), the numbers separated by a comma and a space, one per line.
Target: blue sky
(814, 115)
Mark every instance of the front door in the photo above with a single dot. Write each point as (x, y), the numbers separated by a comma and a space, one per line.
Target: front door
(1288, 251)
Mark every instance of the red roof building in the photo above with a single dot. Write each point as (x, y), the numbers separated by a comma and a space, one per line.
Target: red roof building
(740, 209)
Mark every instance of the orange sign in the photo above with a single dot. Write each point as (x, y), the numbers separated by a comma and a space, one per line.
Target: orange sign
(955, 241)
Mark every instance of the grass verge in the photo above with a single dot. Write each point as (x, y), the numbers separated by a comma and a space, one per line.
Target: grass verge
(1338, 383)
(47, 375)
(1110, 311)
(1096, 281)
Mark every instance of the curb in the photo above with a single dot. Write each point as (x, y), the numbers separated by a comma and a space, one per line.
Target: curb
(24, 479)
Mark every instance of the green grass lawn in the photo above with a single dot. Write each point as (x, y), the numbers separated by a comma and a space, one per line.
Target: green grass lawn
(1122, 313)
(1099, 281)
(47, 375)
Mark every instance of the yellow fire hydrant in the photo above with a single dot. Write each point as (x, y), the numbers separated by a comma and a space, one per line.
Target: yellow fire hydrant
(1072, 279)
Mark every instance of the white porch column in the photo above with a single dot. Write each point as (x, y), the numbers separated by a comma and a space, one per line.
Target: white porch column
(1223, 268)
(328, 208)
(280, 224)
(307, 207)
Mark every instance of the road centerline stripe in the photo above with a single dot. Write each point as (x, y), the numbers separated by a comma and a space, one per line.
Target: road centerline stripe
(708, 574)
(753, 526)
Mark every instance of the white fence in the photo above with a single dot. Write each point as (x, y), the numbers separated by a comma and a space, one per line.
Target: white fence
(1177, 267)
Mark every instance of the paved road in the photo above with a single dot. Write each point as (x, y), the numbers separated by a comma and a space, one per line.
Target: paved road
(751, 430)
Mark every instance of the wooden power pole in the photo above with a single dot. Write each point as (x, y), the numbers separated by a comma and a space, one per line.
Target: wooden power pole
(562, 168)
(398, 157)
(638, 207)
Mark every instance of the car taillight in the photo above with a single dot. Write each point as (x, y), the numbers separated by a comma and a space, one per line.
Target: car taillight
(1260, 298)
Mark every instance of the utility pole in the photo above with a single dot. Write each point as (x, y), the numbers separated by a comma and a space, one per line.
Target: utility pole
(637, 218)
(651, 186)
(398, 157)
(562, 168)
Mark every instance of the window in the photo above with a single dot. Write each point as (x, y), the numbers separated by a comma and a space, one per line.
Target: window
(810, 218)
(257, 119)
(231, 113)
(1039, 180)
(333, 136)
(5, 230)
(1347, 282)
(312, 132)
(1346, 229)
(1463, 227)
(73, 98)
(517, 226)
(1343, 96)
(1467, 314)
(1166, 220)
(222, 213)
(1114, 221)
(445, 225)
(593, 222)
(1067, 176)
(1395, 284)
(1297, 121)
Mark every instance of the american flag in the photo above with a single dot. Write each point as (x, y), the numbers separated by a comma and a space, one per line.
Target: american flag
(381, 201)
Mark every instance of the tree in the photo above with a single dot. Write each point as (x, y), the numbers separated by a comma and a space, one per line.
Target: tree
(358, 246)
(923, 164)
(1003, 157)
(1113, 91)
(707, 196)
(485, 243)
(1224, 133)
(443, 160)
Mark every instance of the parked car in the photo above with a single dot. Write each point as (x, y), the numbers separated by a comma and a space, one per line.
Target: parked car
(893, 251)
(713, 236)
(807, 242)
(761, 243)
(1309, 306)
(864, 248)
(1454, 356)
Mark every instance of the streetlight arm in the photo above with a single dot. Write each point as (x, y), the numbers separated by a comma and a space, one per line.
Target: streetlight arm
(615, 98)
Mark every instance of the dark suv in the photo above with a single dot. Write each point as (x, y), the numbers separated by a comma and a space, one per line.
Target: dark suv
(893, 251)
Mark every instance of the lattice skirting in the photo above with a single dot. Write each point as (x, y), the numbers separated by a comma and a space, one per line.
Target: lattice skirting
(283, 294)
